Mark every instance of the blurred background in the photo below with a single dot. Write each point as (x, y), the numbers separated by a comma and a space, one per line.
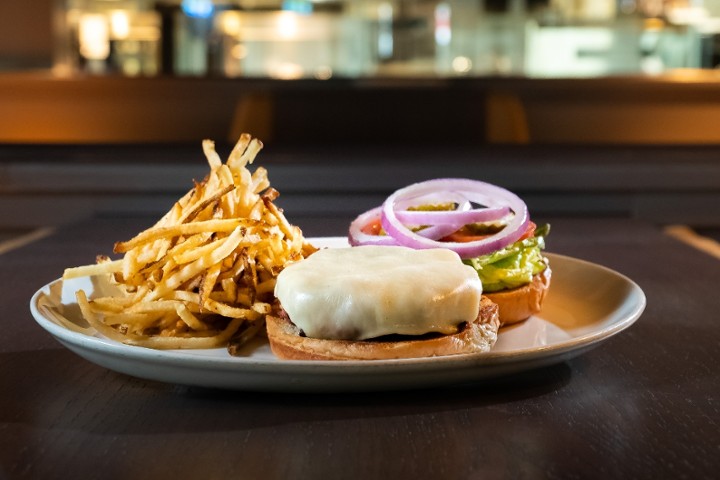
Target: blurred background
(607, 107)
(498, 71)
(349, 39)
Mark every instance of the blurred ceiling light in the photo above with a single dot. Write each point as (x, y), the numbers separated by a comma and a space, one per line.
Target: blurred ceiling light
(687, 15)
(323, 73)
(298, 6)
(230, 23)
(287, 25)
(462, 64)
(385, 30)
(131, 67)
(709, 26)
(652, 65)
(119, 24)
(443, 31)
(94, 36)
(286, 71)
(197, 8)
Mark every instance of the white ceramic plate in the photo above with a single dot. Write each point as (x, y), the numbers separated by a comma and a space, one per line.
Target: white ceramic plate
(587, 304)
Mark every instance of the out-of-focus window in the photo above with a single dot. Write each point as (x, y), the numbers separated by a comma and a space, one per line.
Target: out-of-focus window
(290, 39)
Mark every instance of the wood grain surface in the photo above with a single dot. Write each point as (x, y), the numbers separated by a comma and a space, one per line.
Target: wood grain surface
(643, 405)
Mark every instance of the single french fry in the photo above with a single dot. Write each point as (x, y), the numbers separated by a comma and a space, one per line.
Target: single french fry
(189, 318)
(212, 157)
(236, 158)
(208, 284)
(93, 269)
(223, 225)
(190, 213)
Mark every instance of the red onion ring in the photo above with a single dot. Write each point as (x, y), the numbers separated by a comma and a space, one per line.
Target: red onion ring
(357, 237)
(473, 190)
(436, 198)
(438, 230)
(453, 217)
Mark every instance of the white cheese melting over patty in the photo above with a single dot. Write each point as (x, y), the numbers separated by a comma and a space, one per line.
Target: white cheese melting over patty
(366, 292)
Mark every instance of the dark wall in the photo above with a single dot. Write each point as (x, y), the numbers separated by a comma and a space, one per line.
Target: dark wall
(26, 34)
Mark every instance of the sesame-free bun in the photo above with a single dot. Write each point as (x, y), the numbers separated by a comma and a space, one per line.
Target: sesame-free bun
(480, 335)
(520, 303)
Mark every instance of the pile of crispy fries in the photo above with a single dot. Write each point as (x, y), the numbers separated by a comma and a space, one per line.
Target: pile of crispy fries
(204, 274)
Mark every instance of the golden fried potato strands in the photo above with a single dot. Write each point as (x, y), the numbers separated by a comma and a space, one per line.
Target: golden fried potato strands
(206, 269)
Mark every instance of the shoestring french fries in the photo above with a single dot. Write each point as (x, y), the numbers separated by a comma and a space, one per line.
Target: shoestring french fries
(203, 276)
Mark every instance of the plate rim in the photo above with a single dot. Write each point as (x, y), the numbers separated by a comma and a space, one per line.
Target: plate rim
(249, 365)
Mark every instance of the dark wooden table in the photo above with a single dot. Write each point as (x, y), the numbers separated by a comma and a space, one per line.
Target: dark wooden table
(645, 404)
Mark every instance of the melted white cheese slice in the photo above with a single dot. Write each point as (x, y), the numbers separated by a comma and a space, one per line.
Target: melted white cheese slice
(366, 292)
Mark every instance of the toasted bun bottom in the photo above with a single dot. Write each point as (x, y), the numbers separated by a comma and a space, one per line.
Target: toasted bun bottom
(477, 336)
(518, 304)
